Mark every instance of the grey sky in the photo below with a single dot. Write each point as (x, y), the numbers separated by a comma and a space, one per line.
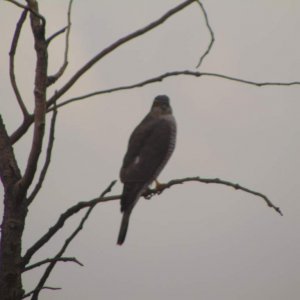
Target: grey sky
(195, 241)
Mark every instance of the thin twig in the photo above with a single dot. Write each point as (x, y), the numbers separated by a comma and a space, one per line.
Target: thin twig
(50, 260)
(56, 34)
(60, 223)
(44, 288)
(249, 82)
(212, 36)
(114, 46)
(236, 186)
(160, 78)
(29, 9)
(66, 244)
(12, 53)
(52, 79)
(48, 157)
(26, 124)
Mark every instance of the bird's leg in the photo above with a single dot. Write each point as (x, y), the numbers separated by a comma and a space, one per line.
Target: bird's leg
(158, 189)
(158, 185)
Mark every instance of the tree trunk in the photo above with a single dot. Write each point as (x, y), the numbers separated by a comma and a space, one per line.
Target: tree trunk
(12, 223)
(10, 249)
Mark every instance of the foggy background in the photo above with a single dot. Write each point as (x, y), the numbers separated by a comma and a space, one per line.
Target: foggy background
(194, 241)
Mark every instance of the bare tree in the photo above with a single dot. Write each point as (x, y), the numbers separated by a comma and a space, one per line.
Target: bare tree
(17, 198)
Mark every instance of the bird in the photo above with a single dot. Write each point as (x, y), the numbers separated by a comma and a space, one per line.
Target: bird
(150, 146)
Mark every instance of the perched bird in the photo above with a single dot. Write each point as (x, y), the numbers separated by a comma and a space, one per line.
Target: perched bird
(150, 147)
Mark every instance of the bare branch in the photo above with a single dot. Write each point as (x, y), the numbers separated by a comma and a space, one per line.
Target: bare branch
(50, 260)
(66, 244)
(26, 124)
(249, 82)
(61, 221)
(81, 205)
(60, 72)
(36, 13)
(212, 36)
(44, 288)
(12, 53)
(56, 34)
(48, 158)
(40, 86)
(160, 78)
(22, 129)
(114, 46)
(236, 186)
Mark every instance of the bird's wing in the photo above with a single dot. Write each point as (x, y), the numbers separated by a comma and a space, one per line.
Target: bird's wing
(144, 159)
(147, 150)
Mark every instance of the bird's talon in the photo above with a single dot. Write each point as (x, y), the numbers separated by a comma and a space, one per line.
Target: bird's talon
(159, 187)
(148, 194)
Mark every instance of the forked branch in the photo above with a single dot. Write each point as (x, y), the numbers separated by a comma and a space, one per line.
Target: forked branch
(164, 76)
(151, 192)
(212, 35)
(38, 30)
(52, 79)
(50, 260)
(114, 46)
(28, 8)
(65, 245)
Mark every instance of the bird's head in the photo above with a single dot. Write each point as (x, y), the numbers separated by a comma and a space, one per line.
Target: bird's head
(161, 105)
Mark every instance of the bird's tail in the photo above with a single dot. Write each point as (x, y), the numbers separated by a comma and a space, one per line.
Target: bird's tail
(123, 228)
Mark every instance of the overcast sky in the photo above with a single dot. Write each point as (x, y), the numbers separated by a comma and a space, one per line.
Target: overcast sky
(194, 241)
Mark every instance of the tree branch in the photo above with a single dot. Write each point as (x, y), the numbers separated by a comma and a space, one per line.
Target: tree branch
(50, 260)
(114, 46)
(212, 36)
(61, 221)
(19, 132)
(236, 186)
(48, 158)
(161, 77)
(33, 11)
(66, 244)
(22, 129)
(40, 86)
(26, 124)
(44, 288)
(56, 34)
(12, 53)
(148, 194)
(52, 79)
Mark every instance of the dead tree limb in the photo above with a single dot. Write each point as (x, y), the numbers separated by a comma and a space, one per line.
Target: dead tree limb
(114, 46)
(47, 160)
(50, 260)
(53, 78)
(12, 53)
(211, 32)
(52, 264)
(164, 76)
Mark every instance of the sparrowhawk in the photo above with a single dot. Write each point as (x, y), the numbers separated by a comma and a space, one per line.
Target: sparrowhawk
(150, 147)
